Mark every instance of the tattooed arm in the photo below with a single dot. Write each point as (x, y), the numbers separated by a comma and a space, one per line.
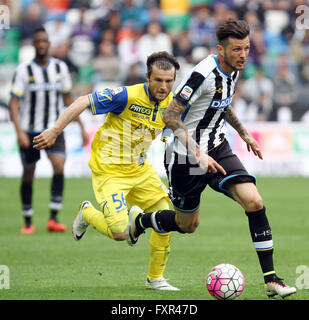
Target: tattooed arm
(233, 120)
(172, 118)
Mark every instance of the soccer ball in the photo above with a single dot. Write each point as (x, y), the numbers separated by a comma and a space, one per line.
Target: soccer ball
(225, 282)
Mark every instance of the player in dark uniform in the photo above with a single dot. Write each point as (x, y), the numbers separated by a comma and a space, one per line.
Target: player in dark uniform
(197, 116)
(40, 89)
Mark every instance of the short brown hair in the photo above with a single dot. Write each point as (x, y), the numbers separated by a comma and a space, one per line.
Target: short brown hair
(238, 29)
(163, 60)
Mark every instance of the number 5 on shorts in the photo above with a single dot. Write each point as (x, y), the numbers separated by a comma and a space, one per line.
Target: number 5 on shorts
(120, 201)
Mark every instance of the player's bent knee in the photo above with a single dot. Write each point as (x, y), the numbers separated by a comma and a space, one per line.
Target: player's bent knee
(189, 227)
(254, 204)
(118, 229)
(119, 236)
(187, 222)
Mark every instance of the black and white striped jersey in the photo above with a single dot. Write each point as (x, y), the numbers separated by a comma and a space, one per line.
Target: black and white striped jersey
(206, 92)
(40, 90)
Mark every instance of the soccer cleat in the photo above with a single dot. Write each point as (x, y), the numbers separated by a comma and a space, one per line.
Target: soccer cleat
(53, 225)
(160, 284)
(278, 287)
(27, 229)
(131, 228)
(79, 226)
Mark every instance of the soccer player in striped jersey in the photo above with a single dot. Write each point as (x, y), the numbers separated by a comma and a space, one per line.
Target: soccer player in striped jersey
(197, 116)
(40, 90)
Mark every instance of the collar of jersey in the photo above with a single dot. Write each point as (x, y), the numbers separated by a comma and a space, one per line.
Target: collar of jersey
(219, 67)
(148, 93)
(40, 65)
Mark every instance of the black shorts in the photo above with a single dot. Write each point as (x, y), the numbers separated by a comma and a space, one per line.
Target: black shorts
(29, 156)
(187, 181)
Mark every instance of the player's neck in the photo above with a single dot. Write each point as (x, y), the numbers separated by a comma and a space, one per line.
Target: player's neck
(42, 60)
(225, 67)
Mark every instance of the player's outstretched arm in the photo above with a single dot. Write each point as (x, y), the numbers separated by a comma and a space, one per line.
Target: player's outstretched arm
(68, 100)
(172, 118)
(252, 144)
(49, 136)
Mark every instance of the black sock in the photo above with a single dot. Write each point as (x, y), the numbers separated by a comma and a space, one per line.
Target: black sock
(57, 186)
(28, 221)
(26, 199)
(26, 194)
(161, 221)
(53, 214)
(261, 236)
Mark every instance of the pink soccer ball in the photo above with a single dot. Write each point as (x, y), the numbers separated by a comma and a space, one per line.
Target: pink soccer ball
(225, 282)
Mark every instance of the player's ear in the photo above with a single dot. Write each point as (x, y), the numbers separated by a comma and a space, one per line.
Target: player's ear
(220, 50)
(147, 78)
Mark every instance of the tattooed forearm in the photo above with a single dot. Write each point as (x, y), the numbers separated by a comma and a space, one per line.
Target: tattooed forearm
(233, 120)
(172, 118)
(172, 115)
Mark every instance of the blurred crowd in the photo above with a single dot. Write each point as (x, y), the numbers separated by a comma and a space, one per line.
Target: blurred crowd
(106, 43)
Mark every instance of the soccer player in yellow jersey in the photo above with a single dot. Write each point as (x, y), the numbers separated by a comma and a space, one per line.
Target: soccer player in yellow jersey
(121, 172)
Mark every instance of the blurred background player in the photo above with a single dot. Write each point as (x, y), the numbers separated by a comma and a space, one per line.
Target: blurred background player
(40, 89)
(121, 172)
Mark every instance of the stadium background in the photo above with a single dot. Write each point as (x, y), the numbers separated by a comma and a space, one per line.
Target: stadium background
(105, 44)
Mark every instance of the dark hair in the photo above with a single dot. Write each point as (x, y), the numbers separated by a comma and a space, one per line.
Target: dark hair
(163, 60)
(238, 29)
(39, 29)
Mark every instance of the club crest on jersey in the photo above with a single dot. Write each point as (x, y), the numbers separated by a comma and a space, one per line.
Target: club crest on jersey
(162, 111)
(104, 95)
(221, 104)
(219, 90)
(186, 92)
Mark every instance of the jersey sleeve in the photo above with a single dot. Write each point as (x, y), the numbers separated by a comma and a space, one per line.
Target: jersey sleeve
(19, 82)
(190, 89)
(66, 81)
(108, 100)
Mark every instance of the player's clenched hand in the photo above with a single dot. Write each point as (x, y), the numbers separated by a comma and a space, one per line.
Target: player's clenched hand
(44, 140)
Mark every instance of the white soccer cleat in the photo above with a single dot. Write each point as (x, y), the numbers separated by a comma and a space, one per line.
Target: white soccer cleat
(79, 226)
(131, 228)
(160, 284)
(277, 287)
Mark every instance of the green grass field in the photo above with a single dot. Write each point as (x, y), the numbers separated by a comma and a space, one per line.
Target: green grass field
(50, 266)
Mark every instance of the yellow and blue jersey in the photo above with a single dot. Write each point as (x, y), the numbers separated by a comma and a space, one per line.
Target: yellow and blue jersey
(134, 119)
